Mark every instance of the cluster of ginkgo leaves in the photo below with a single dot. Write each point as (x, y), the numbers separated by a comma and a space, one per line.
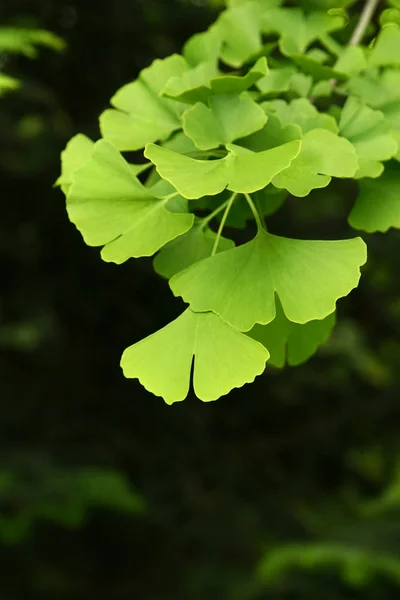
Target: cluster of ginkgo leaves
(228, 130)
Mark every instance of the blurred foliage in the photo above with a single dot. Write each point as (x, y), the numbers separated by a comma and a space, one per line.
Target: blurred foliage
(300, 471)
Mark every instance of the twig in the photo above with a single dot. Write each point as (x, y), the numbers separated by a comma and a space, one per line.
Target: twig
(365, 19)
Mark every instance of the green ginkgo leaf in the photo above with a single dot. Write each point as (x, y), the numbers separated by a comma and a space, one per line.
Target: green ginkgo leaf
(223, 358)
(242, 170)
(228, 118)
(187, 249)
(289, 342)
(203, 81)
(298, 30)
(240, 284)
(377, 207)
(318, 71)
(76, 153)
(203, 47)
(323, 155)
(276, 81)
(381, 90)
(302, 113)
(240, 31)
(352, 60)
(111, 208)
(386, 50)
(369, 132)
(140, 115)
(273, 134)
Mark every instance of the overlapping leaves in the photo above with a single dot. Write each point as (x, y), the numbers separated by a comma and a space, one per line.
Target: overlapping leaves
(266, 103)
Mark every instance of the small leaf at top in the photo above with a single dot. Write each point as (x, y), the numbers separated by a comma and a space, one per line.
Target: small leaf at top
(377, 207)
(111, 208)
(228, 118)
(369, 132)
(240, 284)
(140, 115)
(386, 50)
(202, 82)
(223, 358)
(240, 31)
(351, 61)
(76, 153)
(203, 47)
(323, 155)
(289, 342)
(241, 170)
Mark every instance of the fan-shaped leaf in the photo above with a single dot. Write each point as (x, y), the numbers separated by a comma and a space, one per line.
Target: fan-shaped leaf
(111, 208)
(241, 170)
(386, 50)
(323, 155)
(302, 113)
(368, 131)
(240, 284)
(228, 118)
(223, 358)
(140, 115)
(377, 207)
(76, 153)
(240, 31)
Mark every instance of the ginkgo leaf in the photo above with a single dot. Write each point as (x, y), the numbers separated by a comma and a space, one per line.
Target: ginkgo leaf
(318, 71)
(386, 50)
(273, 134)
(203, 81)
(369, 132)
(381, 91)
(140, 115)
(298, 30)
(76, 153)
(240, 284)
(203, 47)
(302, 113)
(228, 118)
(352, 60)
(111, 208)
(323, 155)
(187, 249)
(276, 81)
(289, 342)
(223, 358)
(240, 31)
(377, 207)
(241, 170)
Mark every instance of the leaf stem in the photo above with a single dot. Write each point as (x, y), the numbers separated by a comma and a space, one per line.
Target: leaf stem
(222, 224)
(255, 212)
(365, 19)
(214, 213)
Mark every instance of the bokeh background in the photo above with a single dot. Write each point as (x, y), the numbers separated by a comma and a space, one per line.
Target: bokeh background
(288, 489)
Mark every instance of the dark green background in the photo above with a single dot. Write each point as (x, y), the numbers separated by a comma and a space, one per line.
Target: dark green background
(222, 482)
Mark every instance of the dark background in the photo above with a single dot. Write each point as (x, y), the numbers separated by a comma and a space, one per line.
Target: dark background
(294, 457)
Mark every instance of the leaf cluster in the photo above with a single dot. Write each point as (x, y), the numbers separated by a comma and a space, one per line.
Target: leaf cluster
(268, 103)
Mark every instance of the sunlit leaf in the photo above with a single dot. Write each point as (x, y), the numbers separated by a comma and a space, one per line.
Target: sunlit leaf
(223, 358)
(111, 208)
(240, 284)
(203, 81)
(240, 31)
(228, 118)
(140, 115)
(76, 153)
(323, 155)
(241, 170)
